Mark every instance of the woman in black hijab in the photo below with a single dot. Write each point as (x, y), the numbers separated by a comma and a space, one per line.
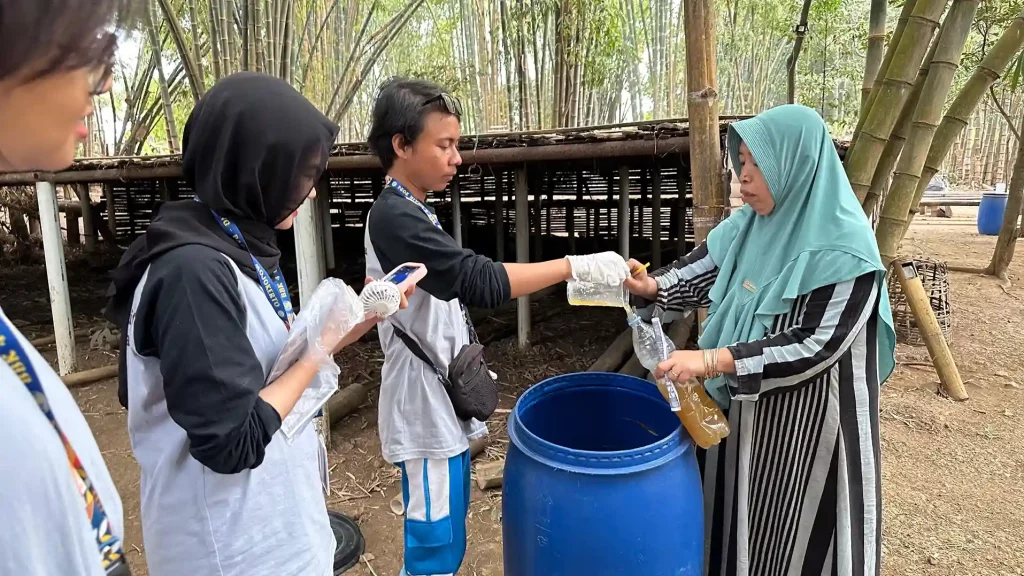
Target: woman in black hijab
(205, 312)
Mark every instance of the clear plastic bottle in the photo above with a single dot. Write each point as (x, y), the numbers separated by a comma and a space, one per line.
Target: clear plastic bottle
(697, 411)
(590, 294)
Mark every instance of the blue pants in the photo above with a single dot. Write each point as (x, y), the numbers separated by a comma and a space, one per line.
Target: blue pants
(436, 495)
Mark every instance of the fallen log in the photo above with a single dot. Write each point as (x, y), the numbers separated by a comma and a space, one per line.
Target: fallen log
(615, 356)
(348, 400)
(90, 376)
(52, 339)
(633, 367)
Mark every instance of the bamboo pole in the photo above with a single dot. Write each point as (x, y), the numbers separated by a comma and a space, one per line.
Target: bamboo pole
(656, 218)
(702, 104)
(456, 196)
(881, 117)
(949, 49)
(88, 223)
(499, 216)
(522, 252)
(960, 111)
(928, 326)
(623, 231)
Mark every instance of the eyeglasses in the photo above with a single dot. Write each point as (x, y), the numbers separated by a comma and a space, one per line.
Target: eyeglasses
(103, 69)
(451, 103)
(98, 78)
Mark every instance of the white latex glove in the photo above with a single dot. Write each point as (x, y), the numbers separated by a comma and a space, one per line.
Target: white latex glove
(602, 268)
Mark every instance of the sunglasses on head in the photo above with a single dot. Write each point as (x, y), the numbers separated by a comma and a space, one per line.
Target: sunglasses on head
(451, 103)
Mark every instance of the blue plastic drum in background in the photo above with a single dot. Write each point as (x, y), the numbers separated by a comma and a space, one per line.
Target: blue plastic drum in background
(990, 213)
(600, 480)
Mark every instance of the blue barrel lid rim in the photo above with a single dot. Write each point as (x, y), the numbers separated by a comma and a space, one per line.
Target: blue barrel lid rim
(586, 461)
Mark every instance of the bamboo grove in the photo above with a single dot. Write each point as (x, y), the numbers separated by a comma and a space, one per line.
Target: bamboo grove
(516, 64)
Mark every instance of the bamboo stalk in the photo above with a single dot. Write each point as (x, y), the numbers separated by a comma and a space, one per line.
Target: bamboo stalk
(165, 93)
(702, 104)
(928, 326)
(960, 111)
(949, 49)
(190, 59)
(1009, 232)
(894, 147)
(863, 155)
(876, 49)
(890, 51)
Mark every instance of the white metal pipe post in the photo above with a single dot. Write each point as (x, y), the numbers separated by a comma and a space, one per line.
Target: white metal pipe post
(311, 268)
(56, 277)
(624, 211)
(309, 253)
(522, 253)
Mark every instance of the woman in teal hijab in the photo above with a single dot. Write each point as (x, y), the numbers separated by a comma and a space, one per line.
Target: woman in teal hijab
(797, 341)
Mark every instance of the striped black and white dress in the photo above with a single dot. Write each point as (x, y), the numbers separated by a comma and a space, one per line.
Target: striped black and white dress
(796, 487)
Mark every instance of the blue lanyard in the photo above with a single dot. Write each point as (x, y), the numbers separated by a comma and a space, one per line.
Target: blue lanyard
(403, 191)
(13, 353)
(273, 284)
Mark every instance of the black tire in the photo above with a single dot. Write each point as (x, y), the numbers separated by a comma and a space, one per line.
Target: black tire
(351, 544)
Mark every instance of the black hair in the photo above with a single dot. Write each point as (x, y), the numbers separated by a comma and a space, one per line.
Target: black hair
(399, 109)
(40, 37)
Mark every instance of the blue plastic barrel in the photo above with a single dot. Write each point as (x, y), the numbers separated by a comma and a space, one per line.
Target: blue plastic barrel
(990, 213)
(600, 479)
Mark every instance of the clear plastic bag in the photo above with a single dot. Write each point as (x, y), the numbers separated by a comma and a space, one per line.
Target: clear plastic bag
(697, 411)
(332, 310)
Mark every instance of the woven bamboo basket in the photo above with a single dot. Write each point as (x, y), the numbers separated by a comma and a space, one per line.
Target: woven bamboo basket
(935, 279)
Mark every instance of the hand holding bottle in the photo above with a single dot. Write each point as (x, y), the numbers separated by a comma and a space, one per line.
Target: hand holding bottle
(639, 282)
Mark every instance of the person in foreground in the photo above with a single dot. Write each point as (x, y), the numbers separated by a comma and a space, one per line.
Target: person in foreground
(798, 340)
(62, 514)
(415, 133)
(204, 314)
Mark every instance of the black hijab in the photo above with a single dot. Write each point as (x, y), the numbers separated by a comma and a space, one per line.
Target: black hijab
(252, 149)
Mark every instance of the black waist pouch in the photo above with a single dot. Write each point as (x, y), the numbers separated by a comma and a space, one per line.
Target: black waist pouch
(470, 387)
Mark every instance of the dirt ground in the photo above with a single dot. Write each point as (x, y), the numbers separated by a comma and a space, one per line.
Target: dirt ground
(954, 499)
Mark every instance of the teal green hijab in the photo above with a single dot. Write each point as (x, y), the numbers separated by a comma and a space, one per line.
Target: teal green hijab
(816, 235)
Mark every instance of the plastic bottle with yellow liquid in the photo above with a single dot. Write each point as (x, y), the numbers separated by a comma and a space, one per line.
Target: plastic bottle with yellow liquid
(697, 411)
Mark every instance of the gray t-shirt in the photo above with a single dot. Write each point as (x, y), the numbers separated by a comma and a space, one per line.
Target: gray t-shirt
(415, 416)
(46, 532)
(223, 492)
